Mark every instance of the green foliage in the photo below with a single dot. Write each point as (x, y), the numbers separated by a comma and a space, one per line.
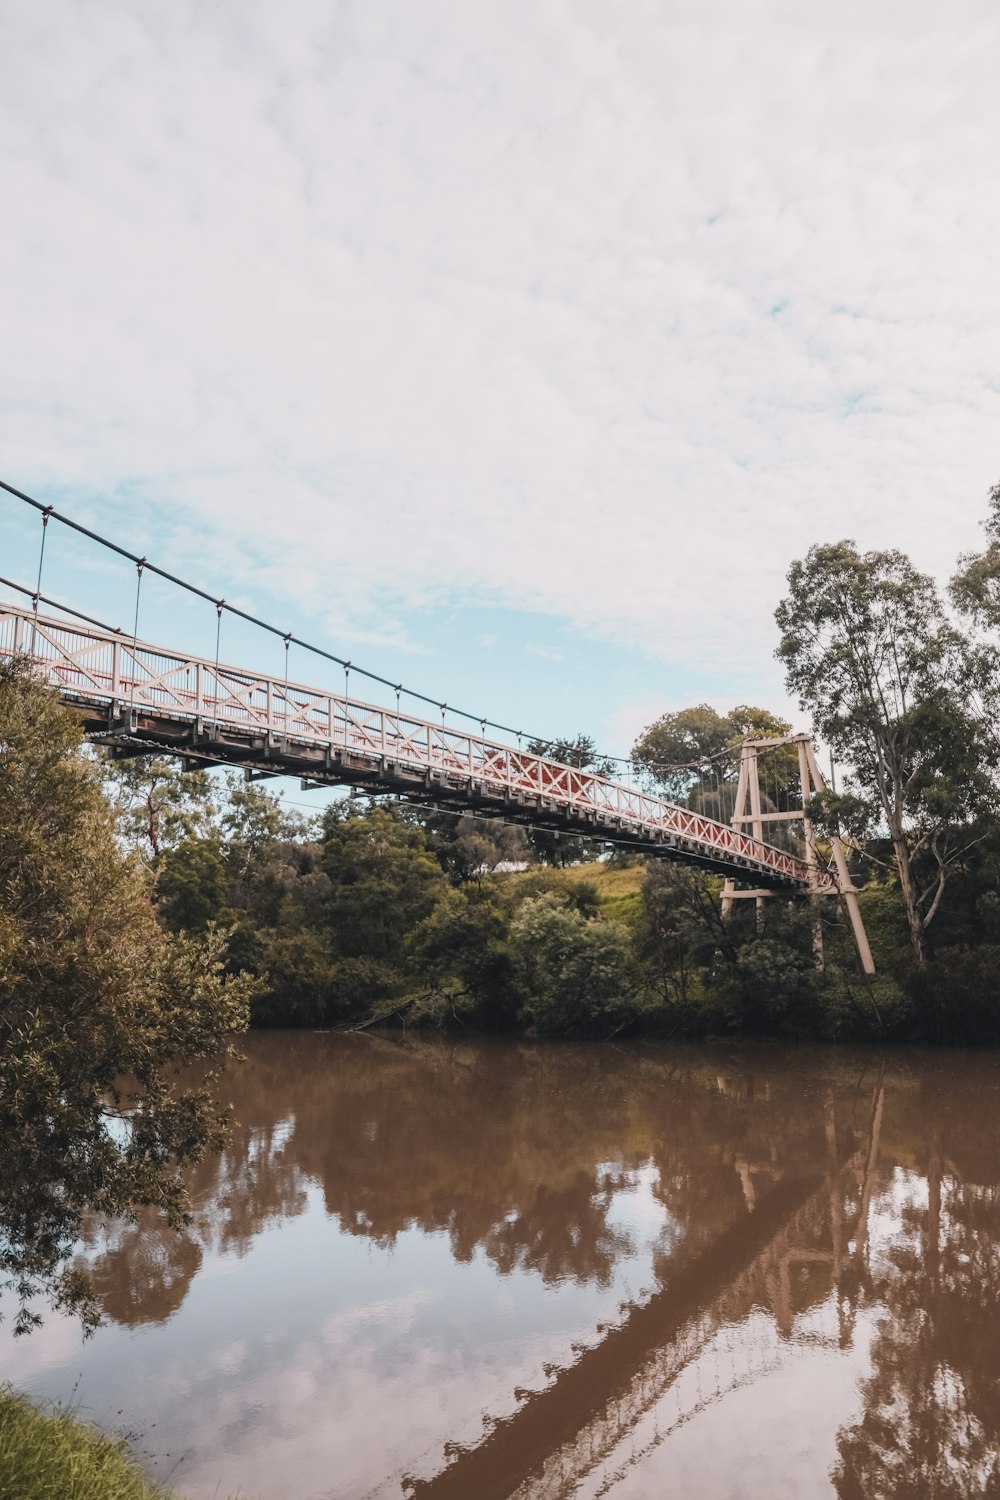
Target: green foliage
(158, 804)
(575, 977)
(681, 936)
(383, 881)
(975, 589)
(299, 984)
(99, 1008)
(192, 885)
(891, 686)
(954, 1000)
(471, 848)
(688, 753)
(253, 825)
(54, 1455)
(777, 985)
(461, 949)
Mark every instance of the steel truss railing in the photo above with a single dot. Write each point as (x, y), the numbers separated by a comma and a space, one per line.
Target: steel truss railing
(135, 684)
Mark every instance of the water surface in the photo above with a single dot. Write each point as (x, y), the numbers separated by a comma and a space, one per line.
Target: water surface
(485, 1269)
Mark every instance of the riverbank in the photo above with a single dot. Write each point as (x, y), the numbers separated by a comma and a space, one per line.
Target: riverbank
(54, 1455)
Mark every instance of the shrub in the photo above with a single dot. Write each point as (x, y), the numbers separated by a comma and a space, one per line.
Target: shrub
(574, 976)
(956, 998)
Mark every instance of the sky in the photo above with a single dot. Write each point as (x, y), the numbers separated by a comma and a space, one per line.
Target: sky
(512, 350)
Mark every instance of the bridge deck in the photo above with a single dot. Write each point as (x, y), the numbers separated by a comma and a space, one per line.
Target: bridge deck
(138, 698)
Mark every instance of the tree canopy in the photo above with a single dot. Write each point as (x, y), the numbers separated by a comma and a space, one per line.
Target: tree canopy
(99, 1009)
(681, 750)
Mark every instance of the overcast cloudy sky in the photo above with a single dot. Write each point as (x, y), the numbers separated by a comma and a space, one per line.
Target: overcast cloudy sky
(513, 348)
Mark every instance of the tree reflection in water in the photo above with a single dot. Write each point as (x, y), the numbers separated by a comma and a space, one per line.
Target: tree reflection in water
(792, 1181)
(142, 1271)
(513, 1151)
(930, 1424)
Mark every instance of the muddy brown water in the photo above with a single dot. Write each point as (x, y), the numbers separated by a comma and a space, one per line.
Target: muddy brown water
(488, 1269)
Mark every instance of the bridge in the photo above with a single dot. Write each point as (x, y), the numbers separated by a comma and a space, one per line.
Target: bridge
(139, 698)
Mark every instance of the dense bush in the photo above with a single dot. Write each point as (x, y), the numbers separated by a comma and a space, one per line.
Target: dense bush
(575, 977)
(956, 999)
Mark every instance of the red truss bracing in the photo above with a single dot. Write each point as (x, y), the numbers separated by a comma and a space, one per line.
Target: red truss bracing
(130, 694)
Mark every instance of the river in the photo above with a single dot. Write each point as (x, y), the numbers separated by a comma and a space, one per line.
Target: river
(484, 1269)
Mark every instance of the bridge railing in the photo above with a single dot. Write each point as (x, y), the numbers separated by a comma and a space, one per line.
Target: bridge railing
(109, 670)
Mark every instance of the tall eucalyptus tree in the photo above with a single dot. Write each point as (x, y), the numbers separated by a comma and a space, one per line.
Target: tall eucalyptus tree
(896, 690)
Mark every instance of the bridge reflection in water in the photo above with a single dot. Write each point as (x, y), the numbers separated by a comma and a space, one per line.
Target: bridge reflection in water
(815, 1212)
(580, 1421)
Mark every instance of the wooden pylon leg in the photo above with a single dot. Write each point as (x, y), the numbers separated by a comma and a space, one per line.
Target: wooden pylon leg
(738, 810)
(848, 892)
(727, 899)
(756, 813)
(812, 861)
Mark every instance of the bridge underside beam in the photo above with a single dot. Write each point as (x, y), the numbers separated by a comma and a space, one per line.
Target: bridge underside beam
(128, 732)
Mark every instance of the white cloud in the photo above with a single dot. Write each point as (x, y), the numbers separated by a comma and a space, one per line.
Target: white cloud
(601, 311)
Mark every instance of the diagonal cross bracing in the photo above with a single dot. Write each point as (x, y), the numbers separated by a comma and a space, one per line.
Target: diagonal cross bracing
(133, 695)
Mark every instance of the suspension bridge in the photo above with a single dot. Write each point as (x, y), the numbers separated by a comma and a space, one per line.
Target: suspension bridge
(138, 697)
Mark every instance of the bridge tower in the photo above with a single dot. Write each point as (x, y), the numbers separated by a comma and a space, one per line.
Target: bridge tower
(749, 810)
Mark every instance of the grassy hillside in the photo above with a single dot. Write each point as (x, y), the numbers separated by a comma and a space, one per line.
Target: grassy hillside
(619, 888)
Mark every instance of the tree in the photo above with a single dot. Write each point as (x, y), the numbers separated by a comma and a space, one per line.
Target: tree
(192, 885)
(575, 976)
(892, 687)
(682, 929)
(689, 753)
(252, 822)
(461, 948)
(383, 880)
(976, 586)
(158, 803)
(99, 1009)
(299, 983)
(580, 752)
(470, 847)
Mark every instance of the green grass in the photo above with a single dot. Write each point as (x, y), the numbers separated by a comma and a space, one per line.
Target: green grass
(54, 1455)
(619, 888)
